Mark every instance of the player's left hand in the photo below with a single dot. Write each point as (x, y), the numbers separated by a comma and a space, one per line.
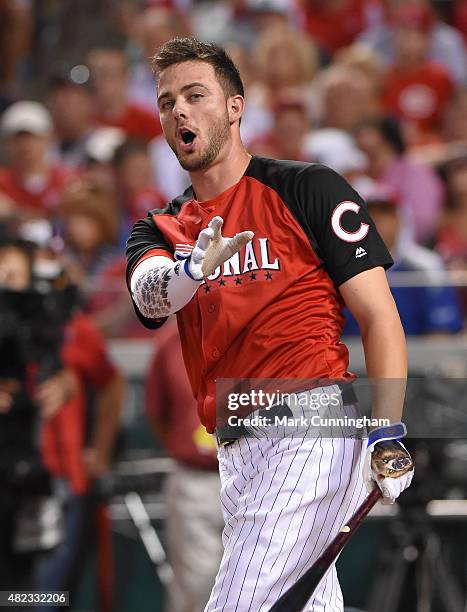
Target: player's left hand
(387, 462)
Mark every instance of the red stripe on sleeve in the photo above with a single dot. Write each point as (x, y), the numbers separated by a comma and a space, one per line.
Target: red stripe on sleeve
(153, 253)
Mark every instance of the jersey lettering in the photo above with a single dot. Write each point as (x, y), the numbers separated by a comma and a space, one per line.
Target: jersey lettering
(232, 265)
(265, 263)
(250, 258)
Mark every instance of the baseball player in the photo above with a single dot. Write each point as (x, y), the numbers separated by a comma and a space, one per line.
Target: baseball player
(257, 258)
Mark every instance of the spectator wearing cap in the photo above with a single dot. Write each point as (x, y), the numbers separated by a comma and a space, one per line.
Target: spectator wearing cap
(420, 190)
(73, 111)
(424, 308)
(109, 83)
(445, 45)
(416, 89)
(31, 180)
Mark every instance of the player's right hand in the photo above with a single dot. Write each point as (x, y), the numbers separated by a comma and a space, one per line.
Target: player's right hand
(212, 249)
(388, 463)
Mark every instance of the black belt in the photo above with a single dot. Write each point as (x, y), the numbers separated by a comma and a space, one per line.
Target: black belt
(227, 434)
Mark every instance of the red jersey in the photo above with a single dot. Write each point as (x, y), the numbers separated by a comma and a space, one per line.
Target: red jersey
(136, 122)
(273, 310)
(418, 97)
(64, 435)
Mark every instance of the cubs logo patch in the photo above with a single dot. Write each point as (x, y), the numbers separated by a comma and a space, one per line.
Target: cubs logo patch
(336, 225)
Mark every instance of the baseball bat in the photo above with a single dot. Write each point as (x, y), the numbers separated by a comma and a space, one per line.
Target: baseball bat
(295, 599)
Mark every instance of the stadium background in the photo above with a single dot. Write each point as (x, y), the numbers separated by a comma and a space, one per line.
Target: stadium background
(376, 89)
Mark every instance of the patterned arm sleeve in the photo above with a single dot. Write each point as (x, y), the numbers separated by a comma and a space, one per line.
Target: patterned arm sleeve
(145, 241)
(161, 287)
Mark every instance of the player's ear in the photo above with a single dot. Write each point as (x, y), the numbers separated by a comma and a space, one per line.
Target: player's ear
(235, 107)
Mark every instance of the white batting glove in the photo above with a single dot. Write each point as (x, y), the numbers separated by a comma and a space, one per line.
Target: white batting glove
(387, 462)
(212, 249)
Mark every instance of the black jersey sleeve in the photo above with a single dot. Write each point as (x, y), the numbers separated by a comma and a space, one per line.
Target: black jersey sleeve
(144, 237)
(340, 229)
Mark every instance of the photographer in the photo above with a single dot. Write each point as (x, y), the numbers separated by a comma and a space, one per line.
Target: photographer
(77, 402)
(30, 388)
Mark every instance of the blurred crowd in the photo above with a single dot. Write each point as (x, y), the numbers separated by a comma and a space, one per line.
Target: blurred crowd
(376, 89)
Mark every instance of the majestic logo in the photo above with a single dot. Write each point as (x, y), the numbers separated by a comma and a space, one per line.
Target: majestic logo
(340, 232)
(360, 252)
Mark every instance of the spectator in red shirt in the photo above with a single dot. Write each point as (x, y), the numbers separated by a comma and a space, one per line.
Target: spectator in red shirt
(31, 180)
(416, 89)
(109, 80)
(78, 444)
(446, 45)
(70, 450)
(194, 518)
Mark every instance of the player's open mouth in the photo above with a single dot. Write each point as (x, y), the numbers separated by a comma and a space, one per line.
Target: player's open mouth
(187, 138)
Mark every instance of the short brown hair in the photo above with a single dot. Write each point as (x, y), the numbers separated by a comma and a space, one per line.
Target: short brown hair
(178, 50)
